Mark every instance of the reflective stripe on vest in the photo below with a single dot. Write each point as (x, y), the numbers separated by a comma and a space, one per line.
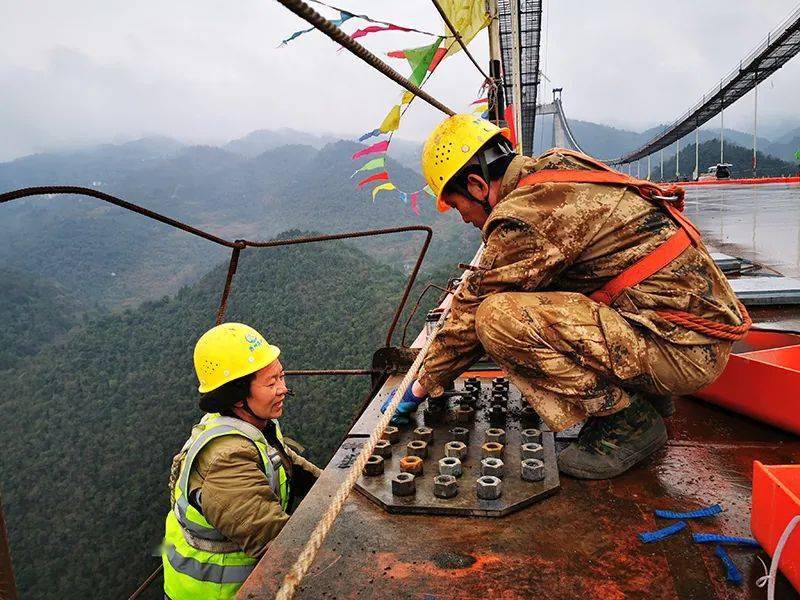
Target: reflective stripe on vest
(209, 572)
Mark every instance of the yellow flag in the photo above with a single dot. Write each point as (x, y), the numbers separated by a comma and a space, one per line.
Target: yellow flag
(407, 97)
(467, 16)
(392, 120)
(381, 187)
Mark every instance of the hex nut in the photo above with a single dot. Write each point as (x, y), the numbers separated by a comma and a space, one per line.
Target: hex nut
(493, 467)
(450, 465)
(392, 434)
(373, 466)
(494, 434)
(403, 484)
(488, 487)
(383, 448)
(464, 414)
(529, 414)
(445, 486)
(532, 469)
(492, 450)
(417, 448)
(460, 434)
(531, 436)
(411, 464)
(424, 434)
(456, 449)
(532, 450)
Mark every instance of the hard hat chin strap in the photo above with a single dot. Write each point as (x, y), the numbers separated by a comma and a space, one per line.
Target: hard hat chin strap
(464, 191)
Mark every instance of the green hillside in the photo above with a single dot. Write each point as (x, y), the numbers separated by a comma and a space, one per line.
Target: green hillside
(91, 423)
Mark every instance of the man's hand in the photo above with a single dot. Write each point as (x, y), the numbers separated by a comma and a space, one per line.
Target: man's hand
(414, 396)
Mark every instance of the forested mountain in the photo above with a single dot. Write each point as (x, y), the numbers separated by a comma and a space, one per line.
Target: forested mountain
(116, 258)
(91, 423)
(34, 312)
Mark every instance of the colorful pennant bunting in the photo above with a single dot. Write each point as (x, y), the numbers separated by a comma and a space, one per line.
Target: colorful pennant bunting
(468, 17)
(359, 33)
(382, 176)
(375, 163)
(392, 121)
(414, 201)
(384, 186)
(343, 16)
(369, 134)
(378, 147)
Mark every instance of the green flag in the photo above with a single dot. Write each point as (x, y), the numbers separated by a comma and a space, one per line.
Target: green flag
(420, 59)
(797, 155)
(375, 163)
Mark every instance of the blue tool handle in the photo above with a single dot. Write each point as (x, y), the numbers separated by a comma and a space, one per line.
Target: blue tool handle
(709, 511)
(715, 538)
(655, 536)
(732, 572)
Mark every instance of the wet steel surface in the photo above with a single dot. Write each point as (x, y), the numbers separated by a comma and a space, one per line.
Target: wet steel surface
(581, 542)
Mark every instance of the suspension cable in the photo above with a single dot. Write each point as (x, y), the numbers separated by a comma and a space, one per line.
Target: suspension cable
(460, 41)
(304, 11)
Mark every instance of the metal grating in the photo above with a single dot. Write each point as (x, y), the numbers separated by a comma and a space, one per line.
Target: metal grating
(530, 26)
(770, 55)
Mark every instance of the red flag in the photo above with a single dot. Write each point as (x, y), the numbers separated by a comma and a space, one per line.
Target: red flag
(511, 125)
(378, 147)
(382, 176)
(414, 198)
(376, 28)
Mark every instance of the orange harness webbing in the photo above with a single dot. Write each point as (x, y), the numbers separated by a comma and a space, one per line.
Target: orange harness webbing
(671, 200)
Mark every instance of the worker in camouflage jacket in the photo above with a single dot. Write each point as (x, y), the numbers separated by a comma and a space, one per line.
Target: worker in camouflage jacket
(235, 479)
(526, 303)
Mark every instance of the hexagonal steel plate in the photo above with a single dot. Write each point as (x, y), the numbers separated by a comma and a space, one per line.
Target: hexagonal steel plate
(516, 492)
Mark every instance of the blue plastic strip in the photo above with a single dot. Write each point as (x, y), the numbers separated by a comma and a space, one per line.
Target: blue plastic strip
(709, 511)
(715, 538)
(732, 572)
(660, 534)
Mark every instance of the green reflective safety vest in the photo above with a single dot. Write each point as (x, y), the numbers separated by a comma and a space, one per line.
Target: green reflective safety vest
(199, 562)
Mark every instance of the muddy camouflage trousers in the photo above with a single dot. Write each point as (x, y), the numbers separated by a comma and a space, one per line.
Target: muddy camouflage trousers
(572, 357)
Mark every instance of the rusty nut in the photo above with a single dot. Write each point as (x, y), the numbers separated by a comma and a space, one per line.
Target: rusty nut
(383, 448)
(423, 434)
(531, 450)
(532, 469)
(450, 465)
(417, 448)
(492, 450)
(531, 436)
(445, 486)
(455, 449)
(460, 434)
(488, 487)
(403, 484)
(495, 434)
(411, 464)
(464, 414)
(529, 414)
(392, 434)
(493, 467)
(373, 466)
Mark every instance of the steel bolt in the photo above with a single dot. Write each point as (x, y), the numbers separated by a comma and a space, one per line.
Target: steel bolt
(411, 464)
(432, 414)
(455, 449)
(450, 465)
(464, 414)
(532, 469)
(445, 486)
(424, 434)
(383, 448)
(492, 450)
(373, 466)
(403, 484)
(493, 467)
(392, 434)
(531, 436)
(417, 448)
(460, 434)
(496, 435)
(489, 487)
(532, 450)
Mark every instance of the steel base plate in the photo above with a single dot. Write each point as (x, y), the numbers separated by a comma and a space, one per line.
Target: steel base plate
(516, 492)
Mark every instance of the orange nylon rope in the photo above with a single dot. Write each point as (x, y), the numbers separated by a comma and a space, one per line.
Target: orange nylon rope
(708, 327)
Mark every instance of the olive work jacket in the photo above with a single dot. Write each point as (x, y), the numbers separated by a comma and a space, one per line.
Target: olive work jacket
(234, 493)
(575, 237)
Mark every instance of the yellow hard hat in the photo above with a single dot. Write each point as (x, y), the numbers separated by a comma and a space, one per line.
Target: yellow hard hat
(229, 351)
(450, 146)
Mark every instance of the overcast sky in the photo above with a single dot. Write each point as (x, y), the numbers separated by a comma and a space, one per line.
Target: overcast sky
(90, 71)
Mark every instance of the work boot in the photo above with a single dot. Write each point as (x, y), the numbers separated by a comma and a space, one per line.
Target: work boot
(608, 446)
(665, 405)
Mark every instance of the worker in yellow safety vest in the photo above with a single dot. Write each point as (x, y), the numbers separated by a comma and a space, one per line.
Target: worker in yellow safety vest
(594, 293)
(233, 482)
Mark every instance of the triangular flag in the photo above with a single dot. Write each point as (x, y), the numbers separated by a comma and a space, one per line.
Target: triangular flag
(407, 97)
(414, 200)
(420, 59)
(404, 197)
(369, 134)
(392, 121)
(343, 16)
(377, 147)
(396, 54)
(467, 16)
(427, 189)
(382, 187)
(375, 29)
(375, 163)
(382, 176)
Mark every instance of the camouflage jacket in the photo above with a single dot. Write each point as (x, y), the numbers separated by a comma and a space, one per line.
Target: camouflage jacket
(575, 237)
